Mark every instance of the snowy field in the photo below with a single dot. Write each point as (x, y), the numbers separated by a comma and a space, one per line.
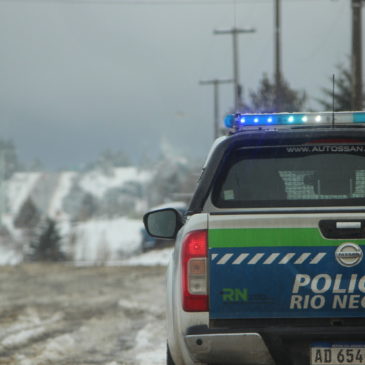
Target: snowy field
(106, 304)
(65, 314)
(110, 242)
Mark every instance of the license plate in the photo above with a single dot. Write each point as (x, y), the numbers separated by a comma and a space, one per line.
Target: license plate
(337, 354)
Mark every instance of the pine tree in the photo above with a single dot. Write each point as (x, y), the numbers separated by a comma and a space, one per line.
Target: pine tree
(342, 95)
(264, 100)
(28, 216)
(46, 247)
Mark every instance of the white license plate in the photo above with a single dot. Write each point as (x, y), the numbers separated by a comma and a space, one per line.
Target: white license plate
(338, 354)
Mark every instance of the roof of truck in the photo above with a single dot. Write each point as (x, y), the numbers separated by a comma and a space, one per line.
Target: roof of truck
(273, 135)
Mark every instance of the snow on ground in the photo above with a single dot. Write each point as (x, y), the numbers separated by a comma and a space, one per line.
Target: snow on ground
(151, 258)
(115, 242)
(23, 337)
(178, 205)
(63, 188)
(9, 256)
(56, 349)
(103, 241)
(97, 184)
(149, 345)
(64, 315)
(28, 328)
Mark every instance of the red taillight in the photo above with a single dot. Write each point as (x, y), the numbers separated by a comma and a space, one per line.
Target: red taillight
(194, 271)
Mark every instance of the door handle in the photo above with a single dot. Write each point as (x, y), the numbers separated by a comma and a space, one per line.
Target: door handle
(348, 225)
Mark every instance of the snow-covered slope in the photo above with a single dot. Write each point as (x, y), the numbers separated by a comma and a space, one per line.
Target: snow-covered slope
(18, 189)
(48, 191)
(90, 210)
(103, 241)
(97, 184)
(62, 189)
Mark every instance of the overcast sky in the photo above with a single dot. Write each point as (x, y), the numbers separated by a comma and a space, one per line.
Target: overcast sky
(79, 77)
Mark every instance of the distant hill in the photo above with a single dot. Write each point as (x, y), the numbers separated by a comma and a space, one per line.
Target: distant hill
(89, 209)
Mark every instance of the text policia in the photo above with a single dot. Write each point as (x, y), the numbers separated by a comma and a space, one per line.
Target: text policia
(324, 287)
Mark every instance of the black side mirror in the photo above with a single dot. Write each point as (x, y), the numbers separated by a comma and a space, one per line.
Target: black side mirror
(163, 223)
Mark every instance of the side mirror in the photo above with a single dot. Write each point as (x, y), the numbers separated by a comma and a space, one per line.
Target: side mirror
(163, 223)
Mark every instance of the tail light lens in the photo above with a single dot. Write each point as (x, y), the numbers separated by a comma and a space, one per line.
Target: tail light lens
(194, 271)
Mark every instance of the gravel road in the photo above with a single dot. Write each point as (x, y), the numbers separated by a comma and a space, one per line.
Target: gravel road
(59, 314)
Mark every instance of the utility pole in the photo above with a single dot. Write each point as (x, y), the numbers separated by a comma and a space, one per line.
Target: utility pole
(237, 87)
(356, 57)
(278, 75)
(216, 83)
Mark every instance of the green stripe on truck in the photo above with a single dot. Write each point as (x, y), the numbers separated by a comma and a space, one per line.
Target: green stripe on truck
(270, 237)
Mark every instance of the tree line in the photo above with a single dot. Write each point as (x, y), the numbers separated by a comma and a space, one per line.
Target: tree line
(264, 98)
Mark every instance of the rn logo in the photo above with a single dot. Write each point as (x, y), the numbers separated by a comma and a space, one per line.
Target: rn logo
(348, 254)
(235, 295)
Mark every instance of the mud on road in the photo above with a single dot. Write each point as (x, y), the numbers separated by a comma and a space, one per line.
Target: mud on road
(59, 314)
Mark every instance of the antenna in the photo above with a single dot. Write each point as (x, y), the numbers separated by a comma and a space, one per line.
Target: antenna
(333, 101)
(235, 13)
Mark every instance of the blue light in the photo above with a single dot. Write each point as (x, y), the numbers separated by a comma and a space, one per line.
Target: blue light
(358, 117)
(240, 122)
(228, 121)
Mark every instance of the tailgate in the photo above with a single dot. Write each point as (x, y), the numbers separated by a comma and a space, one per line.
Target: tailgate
(282, 266)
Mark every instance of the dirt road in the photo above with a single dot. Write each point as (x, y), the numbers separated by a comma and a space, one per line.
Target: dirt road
(59, 314)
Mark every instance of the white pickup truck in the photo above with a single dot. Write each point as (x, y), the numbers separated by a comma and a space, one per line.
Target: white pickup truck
(268, 262)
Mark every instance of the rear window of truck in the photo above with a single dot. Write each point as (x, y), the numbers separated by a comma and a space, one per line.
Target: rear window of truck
(292, 176)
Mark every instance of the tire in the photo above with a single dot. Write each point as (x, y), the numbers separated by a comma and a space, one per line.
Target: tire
(169, 360)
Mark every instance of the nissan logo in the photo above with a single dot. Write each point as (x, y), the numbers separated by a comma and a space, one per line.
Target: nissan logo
(348, 254)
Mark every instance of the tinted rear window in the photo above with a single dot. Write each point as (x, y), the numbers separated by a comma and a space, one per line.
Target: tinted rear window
(309, 175)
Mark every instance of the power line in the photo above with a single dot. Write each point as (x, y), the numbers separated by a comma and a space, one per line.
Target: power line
(236, 83)
(216, 83)
(149, 3)
(356, 55)
(277, 55)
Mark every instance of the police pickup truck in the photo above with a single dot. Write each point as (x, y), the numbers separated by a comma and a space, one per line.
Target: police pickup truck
(268, 262)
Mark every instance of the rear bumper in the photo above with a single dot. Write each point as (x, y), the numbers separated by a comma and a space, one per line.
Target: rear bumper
(265, 346)
(236, 348)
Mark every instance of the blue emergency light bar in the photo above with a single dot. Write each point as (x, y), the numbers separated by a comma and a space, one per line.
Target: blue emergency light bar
(240, 121)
